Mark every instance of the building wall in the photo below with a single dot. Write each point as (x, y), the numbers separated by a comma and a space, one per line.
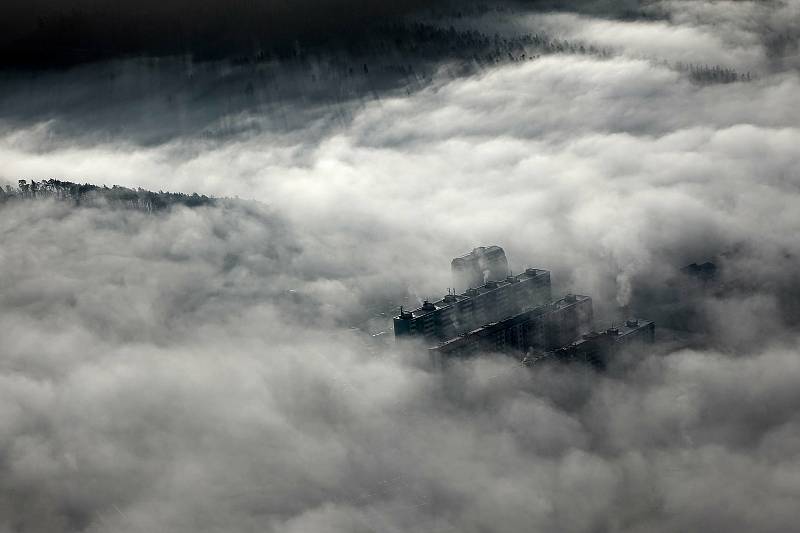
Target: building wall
(568, 320)
(457, 315)
(480, 265)
(539, 328)
(598, 349)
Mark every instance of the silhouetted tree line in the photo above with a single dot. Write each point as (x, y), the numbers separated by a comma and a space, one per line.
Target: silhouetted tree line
(88, 194)
(397, 55)
(411, 41)
(706, 74)
(410, 46)
(415, 43)
(435, 41)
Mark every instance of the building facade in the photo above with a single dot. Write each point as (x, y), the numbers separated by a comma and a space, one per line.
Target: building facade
(539, 329)
(457, 314)
(485, 263)
(497, 312)
(598, 348)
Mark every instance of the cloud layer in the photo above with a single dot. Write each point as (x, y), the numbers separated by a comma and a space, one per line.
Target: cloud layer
(195, 370)
(156, 376)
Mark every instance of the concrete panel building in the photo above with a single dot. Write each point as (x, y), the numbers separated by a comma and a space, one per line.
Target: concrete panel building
(497, 312)
(568, 319)
(485, 263)
(538, 329)
(597, 348)
(457, 314)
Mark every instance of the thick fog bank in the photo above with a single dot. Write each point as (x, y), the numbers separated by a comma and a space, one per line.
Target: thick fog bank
(609, 172)
(198, 369)
(159, 375)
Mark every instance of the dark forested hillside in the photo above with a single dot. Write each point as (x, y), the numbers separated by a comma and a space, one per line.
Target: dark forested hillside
(88, 194)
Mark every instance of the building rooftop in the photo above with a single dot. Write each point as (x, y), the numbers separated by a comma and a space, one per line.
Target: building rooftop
(429, 307)
(632, 325)
(569, 299)
(499, 324)
(617, 332)
(490, 252)
(489, 286)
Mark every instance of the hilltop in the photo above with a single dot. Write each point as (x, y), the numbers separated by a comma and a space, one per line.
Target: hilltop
(92, 195)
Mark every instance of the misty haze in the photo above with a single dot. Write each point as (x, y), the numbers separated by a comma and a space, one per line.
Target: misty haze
(417, 266)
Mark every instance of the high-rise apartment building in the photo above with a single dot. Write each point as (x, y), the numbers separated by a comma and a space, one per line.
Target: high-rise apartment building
(597, 348)
(485, 263)
(537, 329)
(456, 314)
(497, 312)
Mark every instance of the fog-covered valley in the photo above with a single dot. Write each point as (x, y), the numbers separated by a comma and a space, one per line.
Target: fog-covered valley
(171, 362)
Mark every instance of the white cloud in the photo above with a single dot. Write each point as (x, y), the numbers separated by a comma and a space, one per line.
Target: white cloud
(157, 374)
